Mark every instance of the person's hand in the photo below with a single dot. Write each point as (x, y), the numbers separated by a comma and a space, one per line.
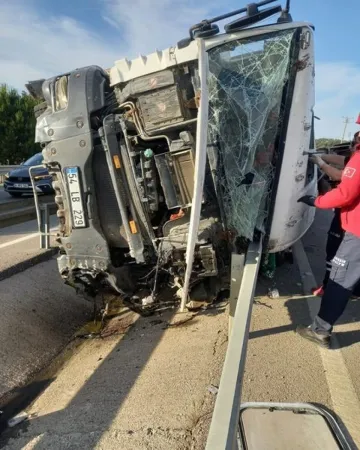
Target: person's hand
(308, 200)
(316, 159)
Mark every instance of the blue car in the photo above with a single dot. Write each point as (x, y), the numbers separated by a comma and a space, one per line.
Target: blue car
(17, 182)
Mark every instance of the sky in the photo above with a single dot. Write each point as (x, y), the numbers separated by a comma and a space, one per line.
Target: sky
(42, 38)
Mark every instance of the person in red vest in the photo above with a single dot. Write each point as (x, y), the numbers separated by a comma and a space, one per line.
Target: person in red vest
(345, 272)
(335, 233)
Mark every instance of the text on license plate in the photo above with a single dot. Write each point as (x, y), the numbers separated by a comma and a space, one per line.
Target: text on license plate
(77, 208)
(22, 186)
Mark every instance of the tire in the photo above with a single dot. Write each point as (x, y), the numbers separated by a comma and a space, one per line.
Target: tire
(15, 194)
(40, 109)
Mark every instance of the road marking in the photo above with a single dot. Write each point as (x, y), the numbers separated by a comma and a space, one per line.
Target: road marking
(22, 239)
(343, 395)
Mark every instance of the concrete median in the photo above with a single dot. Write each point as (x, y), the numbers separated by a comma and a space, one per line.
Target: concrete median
(21, 210)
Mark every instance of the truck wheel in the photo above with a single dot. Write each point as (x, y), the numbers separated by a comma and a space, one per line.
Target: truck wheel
(39, 109)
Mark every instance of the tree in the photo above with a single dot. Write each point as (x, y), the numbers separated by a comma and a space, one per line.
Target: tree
(17, 126)
(327, 142)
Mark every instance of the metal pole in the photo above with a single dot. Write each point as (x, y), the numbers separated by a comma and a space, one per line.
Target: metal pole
(36, 200)
(47, 225)
(346, 122)
(237, 270)
(199, 175)
(42, 227)
(225, 420)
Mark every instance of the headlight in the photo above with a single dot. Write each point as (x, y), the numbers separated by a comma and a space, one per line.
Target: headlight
(6, 176)
(42, 177)
(61, 93)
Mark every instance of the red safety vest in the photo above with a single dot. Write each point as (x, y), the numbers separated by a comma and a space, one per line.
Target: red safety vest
(346, 196)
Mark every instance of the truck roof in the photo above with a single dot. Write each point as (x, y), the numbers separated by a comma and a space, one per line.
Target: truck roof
(125, 69)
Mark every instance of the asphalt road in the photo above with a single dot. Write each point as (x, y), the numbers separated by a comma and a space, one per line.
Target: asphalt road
(20, 243)
(38, 315)
(4, 196)
(150, 382)
(38, 312)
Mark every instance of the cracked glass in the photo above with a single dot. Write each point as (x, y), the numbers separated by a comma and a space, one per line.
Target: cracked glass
(246, 83)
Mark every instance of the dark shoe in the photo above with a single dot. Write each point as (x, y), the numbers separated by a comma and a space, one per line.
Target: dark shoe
(307, 333)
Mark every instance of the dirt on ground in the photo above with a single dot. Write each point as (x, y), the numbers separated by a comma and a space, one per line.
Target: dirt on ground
(150, 383)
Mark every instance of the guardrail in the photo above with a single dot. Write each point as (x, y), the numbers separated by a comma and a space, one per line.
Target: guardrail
(5, 169)
(225, 421)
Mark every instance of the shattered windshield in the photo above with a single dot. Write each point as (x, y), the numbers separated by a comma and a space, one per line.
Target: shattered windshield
(246, 83)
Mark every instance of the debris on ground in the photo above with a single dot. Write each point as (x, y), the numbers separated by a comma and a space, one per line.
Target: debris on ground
(194, 305)
(260, 303)
(119, 325)
(156, 322)
(273, 293)
(90, 330)
(149, 300)
(213, 389)
(17, 419)
(114, 307)
(179, 323)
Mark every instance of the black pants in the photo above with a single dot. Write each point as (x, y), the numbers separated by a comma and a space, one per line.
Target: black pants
(335, 237)
(344, 276)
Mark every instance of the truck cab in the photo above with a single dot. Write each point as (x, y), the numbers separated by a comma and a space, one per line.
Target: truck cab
(165, 165)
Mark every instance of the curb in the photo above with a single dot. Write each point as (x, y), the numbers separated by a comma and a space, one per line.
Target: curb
(13, 212)
(21, 215)
(26, 264)
(17, 216)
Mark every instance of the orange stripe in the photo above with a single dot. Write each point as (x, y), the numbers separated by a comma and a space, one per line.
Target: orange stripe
(133, 227)
(117, 161)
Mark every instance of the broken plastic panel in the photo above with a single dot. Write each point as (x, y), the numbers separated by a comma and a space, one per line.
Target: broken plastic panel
(246, 83)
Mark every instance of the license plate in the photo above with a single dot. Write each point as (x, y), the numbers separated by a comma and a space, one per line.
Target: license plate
(22, 186)
(77, 208)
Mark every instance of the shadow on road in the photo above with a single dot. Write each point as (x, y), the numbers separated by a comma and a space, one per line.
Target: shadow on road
(92, 410)
(348, 338)
(298, 309)
(19, 399)
(109, 385)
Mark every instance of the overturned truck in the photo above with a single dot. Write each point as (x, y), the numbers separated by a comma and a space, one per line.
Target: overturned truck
(166, 165)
